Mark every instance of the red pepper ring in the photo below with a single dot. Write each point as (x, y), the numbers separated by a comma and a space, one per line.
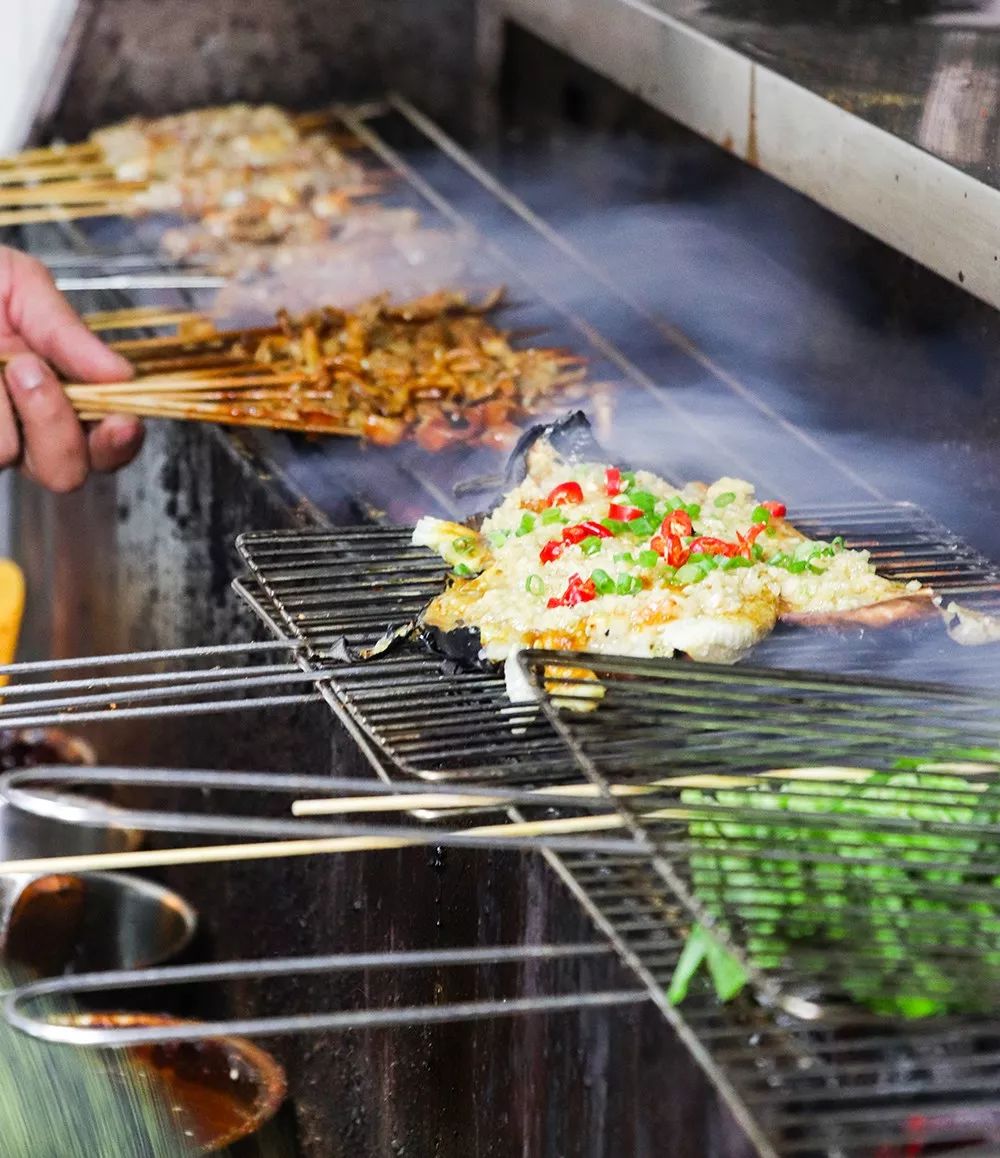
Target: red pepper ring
(778, 510)
(613, 481)
(747, 541)
(670, 548)
(581, 531)
(624, 514)
(577, 591)
(565, 493)
(677, 522)
(706, 545)
(575, 534)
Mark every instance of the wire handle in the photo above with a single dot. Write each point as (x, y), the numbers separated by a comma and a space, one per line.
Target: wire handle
(58, 1028)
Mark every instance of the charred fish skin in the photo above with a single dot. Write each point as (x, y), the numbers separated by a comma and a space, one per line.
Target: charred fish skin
(462, 645)
(571, 437)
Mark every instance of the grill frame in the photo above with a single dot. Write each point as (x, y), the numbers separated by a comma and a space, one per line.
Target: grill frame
(291, 574)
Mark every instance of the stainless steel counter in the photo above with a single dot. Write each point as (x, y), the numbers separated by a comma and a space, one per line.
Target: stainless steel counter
(886, 113)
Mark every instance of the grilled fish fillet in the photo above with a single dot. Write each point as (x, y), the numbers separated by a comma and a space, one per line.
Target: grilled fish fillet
(712, 594)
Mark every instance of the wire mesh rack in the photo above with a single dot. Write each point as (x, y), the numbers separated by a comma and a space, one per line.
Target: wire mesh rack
(431, 719)
(839, 836)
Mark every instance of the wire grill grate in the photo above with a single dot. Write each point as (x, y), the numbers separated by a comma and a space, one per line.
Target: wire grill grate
(432, 720)
(842, 836)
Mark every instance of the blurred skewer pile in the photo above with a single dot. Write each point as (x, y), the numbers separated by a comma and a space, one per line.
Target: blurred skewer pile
(248, 173)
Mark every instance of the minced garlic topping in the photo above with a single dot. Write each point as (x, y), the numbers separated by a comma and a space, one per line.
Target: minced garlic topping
(630, 589)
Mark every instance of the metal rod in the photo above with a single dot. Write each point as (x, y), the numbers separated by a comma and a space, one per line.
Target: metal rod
(137, 281)
(54, 1031)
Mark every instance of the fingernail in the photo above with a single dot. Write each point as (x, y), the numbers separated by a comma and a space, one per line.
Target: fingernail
(26, 374)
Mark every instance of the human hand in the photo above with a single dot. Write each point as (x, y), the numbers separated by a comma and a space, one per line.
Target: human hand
(39, 430)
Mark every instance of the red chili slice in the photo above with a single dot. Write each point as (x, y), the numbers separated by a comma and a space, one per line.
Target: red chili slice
(552, 550)
(565, 493)
(706, 545)
(779, 510)
(613, 481)
(671, 548)
(747, 541)
(624, 514)
(577, 591)
(677, 522)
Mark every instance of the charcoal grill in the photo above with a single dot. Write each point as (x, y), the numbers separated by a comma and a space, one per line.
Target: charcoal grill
(832, 1086)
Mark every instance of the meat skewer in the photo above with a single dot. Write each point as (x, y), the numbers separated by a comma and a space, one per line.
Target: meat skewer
(434, 369)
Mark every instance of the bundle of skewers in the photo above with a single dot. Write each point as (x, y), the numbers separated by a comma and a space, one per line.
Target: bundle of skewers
(436, 370)
(247, 174)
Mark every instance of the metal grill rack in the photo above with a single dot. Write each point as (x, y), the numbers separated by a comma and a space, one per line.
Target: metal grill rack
(797, 1088)
(891, 837)
(178, 682)
(430, 720)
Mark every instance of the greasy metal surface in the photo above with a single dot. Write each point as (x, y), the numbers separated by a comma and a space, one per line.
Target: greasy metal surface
(157, 56)
(888, 122)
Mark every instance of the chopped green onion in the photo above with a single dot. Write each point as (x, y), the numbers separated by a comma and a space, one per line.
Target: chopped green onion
(757, 551)
(526, 525)
(667, 573)
(623, 557)
(498, 538)
(735, 562)
(615, 526)
(642, 499)
(628, 584)
(708, 562)
(591, 545)
(644, 527)
(838, 543)
(796, 566)
(648, 558)
(628, 479)
(463, 544)
(534, 585)
(816, 570)
(693, 509)
(805, 550)
(462, 571)
(603, 582)
(725, 498)
(691, 573)
(552, 515)
(760, 515)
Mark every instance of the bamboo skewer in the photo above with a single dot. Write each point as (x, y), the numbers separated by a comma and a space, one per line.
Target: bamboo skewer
(76, 170)
(344, 805)
(282, 849)
(129, 317)
(72, 193)
(166, 383)
(52, 154)
(57, 213)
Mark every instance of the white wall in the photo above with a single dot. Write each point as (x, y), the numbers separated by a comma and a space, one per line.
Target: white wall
(31, 35)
